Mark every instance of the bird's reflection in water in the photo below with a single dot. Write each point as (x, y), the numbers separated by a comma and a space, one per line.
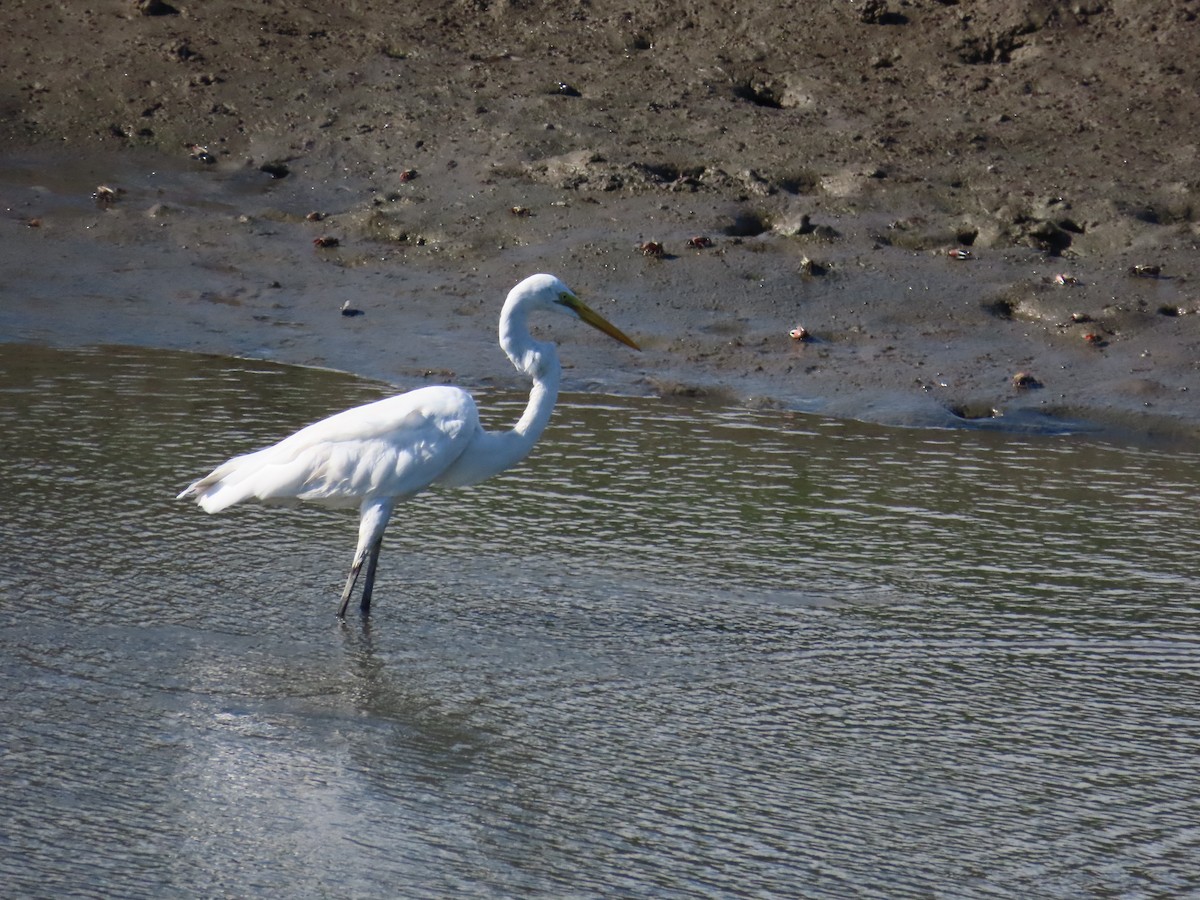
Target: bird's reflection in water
(406, 726)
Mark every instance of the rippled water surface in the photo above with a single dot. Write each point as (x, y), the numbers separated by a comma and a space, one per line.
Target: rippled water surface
(677, 653)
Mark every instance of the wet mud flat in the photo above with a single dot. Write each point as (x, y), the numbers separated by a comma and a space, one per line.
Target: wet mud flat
(903, 323)
(948, 198)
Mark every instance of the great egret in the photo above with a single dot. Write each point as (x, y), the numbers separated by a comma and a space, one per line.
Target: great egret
(373, 455)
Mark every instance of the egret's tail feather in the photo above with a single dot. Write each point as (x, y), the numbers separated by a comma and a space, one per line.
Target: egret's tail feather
(224, 486)
(263, 475)
(211, 496)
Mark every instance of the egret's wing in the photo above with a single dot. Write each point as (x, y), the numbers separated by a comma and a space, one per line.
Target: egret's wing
(391, 448)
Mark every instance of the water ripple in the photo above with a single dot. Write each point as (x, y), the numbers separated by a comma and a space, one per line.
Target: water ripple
(679, 653)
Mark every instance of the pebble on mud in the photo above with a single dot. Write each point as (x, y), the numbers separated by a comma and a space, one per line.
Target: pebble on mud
(106, 196)
(201, 154)
(811, 267)
(876, 12)
(156, 8)
(276, 169)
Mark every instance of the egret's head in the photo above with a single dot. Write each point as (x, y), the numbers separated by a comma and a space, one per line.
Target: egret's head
(549, 292)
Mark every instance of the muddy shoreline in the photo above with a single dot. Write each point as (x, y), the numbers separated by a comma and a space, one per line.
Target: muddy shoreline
(450, 154)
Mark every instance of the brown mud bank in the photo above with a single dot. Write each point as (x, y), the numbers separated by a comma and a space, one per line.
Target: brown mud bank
(830, 158)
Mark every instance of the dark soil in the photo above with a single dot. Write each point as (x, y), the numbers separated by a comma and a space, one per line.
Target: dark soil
(832, 153)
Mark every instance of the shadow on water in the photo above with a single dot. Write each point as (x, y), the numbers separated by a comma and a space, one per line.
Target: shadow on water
(680, 652)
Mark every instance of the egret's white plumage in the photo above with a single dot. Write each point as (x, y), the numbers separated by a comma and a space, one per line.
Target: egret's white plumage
(373, 455)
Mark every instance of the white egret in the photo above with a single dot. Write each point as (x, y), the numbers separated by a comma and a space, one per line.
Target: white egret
(374, 455)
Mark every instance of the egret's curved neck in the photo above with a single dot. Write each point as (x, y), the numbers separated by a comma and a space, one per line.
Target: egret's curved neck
(517, 342)
(491, 452)
(538, 360)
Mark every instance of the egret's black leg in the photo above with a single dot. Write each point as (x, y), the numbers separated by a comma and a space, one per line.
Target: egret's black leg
(350, 581)
(369, 584)
(372, 520)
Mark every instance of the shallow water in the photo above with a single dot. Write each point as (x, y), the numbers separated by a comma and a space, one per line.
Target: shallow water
(678, 653)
